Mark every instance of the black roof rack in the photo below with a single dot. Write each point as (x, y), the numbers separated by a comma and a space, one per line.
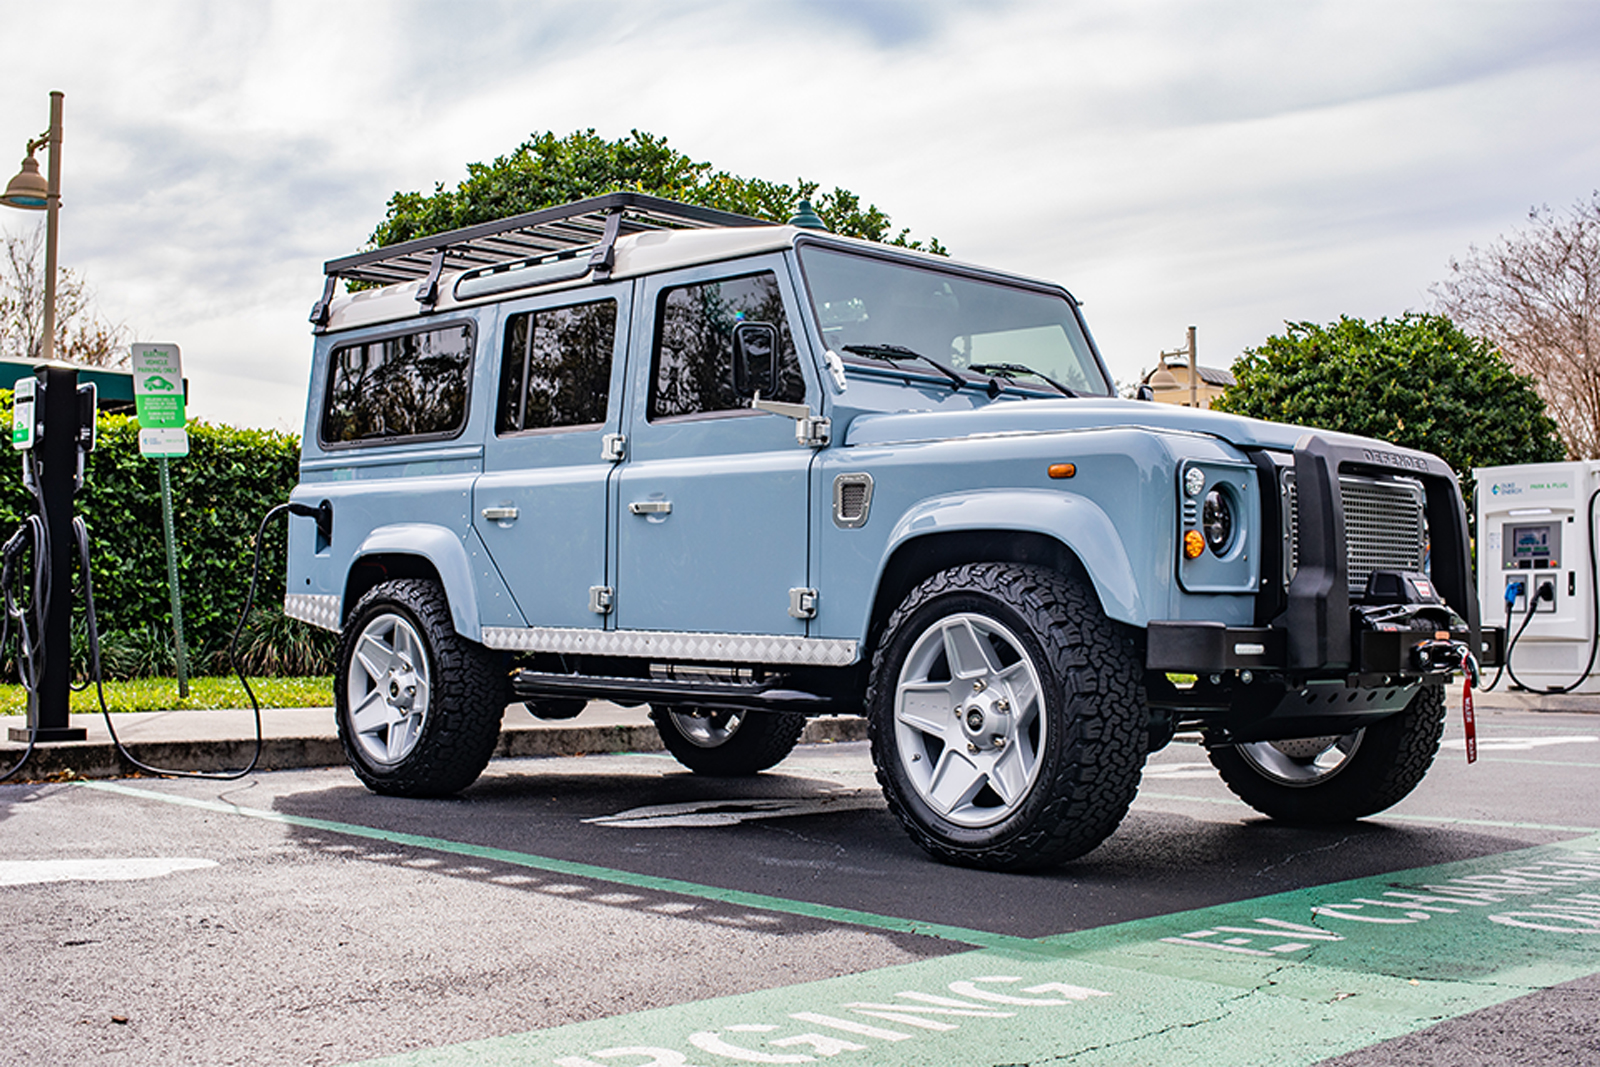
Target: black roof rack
(595, 224)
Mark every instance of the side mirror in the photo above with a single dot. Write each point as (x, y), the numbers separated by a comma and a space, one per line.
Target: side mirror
(755, 358)
(1144, 392)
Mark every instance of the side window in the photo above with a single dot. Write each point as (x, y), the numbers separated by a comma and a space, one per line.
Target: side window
(556, 368)
(694, 345)
(413, 385)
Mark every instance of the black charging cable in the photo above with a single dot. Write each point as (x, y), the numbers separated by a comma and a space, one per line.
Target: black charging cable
(33, 533)
(233, 648)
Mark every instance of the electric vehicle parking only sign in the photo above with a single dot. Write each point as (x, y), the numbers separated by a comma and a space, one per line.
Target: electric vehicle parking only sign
(158, 398)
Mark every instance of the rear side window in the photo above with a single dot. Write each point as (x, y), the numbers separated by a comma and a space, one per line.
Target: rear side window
(556, 368)
(694, 345)
(410, 386)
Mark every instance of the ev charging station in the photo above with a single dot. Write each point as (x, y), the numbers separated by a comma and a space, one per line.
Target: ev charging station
(1536, 559)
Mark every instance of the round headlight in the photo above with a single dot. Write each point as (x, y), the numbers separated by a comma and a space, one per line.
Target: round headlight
(1216, 517)
(1194, 480)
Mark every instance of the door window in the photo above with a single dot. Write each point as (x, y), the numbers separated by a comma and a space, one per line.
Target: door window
(556, 367)
(693, 371)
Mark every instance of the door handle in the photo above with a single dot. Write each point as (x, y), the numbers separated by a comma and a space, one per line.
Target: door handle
(500, 514)
(651, 507)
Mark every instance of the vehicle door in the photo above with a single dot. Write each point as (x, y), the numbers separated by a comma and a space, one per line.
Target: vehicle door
(540, 505)
(712, 500)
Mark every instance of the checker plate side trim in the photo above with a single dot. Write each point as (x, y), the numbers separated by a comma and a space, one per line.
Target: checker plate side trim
(674, 645)
(319, 609)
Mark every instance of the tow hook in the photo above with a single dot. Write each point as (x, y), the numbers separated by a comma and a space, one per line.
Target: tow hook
(1442, 655)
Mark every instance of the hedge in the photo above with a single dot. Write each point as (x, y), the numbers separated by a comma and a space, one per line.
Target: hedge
(220, 491)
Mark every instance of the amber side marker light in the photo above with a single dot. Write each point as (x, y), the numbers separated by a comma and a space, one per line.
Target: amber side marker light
(1193, 544)
(1063, 470)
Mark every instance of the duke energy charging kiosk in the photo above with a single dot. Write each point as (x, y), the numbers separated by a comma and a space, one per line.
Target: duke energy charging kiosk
(1535, 528)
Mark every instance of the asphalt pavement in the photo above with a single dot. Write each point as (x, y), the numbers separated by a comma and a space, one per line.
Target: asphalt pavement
(617, 911)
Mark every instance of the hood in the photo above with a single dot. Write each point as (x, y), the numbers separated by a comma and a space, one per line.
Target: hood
(1066, 415)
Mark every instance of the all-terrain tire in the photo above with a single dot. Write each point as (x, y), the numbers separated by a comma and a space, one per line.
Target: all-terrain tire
(1385, 762)
(943, 730)
(418, 706)
(726, 744)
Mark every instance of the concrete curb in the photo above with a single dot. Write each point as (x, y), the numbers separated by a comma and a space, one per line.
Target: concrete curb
(100, 759)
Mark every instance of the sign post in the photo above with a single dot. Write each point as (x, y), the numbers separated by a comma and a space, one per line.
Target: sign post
(158, 399)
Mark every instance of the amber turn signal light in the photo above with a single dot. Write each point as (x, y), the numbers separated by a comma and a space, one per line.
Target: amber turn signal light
(1193, 544)
(1063, 470)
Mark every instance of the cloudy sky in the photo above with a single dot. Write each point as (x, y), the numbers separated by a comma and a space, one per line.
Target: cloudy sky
(1229, 164)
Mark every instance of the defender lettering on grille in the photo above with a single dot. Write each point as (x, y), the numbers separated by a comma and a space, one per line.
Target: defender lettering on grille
(1395, 459)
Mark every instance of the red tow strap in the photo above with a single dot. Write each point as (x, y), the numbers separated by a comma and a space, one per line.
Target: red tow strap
(1468, 720)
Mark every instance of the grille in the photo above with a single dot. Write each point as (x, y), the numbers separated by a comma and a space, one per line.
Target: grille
(852, 499)
(1383, 527)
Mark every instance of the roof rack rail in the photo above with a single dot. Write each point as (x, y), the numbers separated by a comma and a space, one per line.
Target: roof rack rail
(594, 224)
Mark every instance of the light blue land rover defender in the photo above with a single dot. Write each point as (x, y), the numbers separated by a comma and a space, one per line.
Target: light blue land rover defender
(634, 450)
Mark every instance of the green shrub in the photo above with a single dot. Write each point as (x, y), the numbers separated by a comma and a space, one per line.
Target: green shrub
(220, 492)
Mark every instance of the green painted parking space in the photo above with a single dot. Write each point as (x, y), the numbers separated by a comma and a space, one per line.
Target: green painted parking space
(1290, 978)
(1287, 979)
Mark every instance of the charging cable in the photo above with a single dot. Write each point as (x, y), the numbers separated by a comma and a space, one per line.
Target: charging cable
(233, 649)
(31, 652)
(33, 533)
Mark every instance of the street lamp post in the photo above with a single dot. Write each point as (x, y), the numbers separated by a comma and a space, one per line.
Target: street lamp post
(30, 192)
(57, 462)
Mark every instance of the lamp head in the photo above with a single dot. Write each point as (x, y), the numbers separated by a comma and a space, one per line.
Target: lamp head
(28, 190)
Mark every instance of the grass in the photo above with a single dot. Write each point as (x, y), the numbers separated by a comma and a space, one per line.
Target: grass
(161, 694)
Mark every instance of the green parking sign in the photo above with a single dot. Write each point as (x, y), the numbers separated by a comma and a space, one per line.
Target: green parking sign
(158, 399)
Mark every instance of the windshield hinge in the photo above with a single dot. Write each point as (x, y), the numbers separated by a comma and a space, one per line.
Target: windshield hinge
(810, 430)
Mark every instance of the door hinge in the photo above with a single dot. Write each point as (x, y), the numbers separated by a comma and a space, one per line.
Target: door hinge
(803, 603)
(614, 447)
(600, 599)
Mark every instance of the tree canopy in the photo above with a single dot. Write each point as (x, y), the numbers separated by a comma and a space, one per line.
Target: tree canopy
(546, 170)
(1418, 381)
(1536, 295)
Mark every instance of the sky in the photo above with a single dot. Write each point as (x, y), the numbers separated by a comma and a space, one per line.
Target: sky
(1227, 164)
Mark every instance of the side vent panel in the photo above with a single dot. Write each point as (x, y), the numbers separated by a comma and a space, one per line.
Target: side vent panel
(852, 500)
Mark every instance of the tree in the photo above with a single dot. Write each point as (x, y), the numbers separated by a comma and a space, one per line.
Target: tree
(1536, 296)
(82, 336)
(546, 170)
(1419, 381)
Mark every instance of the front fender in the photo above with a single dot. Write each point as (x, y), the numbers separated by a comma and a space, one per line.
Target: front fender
(442, 548)
(1076, 522)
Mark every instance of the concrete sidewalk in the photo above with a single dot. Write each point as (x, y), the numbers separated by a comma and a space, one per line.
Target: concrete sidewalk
(305, 737)
(224, 740)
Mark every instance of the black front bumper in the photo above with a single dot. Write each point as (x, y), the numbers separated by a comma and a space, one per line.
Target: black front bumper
(1211, 647)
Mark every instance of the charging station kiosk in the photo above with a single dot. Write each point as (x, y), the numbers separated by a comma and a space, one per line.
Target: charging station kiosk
(1535, 529)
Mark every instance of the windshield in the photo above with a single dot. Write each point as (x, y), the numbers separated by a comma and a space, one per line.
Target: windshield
(971, 325)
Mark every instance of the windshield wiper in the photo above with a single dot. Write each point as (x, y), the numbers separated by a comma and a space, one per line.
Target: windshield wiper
(1009, 371)
(896, 353)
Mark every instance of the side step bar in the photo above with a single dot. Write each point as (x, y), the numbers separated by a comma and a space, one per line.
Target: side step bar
(730, 696)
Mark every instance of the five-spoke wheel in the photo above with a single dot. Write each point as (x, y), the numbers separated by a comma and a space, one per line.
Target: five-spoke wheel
(418, 705)
(1007, 716)
(969, 719)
